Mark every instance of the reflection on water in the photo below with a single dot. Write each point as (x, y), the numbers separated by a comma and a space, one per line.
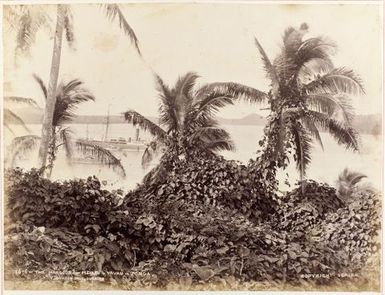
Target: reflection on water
(325, 166)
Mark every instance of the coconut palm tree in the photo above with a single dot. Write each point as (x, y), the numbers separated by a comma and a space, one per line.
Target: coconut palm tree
(308, 94)
(30, 19)
(187, 127)
(69, 96)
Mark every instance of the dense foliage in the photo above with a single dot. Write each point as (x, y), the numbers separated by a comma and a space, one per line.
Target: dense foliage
(202, 225)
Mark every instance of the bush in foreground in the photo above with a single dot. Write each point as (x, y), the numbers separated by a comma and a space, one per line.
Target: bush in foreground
(163, 234)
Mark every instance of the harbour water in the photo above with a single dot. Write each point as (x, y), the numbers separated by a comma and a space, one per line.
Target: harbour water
(325, 166)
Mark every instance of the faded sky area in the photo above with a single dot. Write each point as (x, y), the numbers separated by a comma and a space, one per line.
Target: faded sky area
(214, 40)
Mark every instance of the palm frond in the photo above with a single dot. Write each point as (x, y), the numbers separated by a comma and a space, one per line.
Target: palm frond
(80, 95)
(150, 152)
(269, 68)
(318, 49)
(302, 142)
(168, 116)
(313, 67)
(291, 38)
(65, 135)
(103, 155)
(11, 14)
(114, 12)
(70, 86)
(137, 119)
(313, 130)
(209, 133)
(21, 100)
(218, 145)
(234, 90)
(61, 113)
(211, 104)
(183, 97)
(68, 26)
(11, 118)
(162, 87)
(147, 157)
(351, 177)
(347, 182)
(29, 21)
(210, 137)
(21, 145)
(68, 96)
(186, 83)
(339, 80)
(344, 134)
(331, 105)
(42, 85)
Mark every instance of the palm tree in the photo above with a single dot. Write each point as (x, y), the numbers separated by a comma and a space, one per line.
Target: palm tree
(68, 97)
(307, 95)
(347, 183)
(30, 19)
(187, 127)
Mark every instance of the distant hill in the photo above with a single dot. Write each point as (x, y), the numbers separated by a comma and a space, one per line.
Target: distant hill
(252, 119)
(369, 124)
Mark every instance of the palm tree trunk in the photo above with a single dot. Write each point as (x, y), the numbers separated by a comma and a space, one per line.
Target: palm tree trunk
(51, 95)
(52, 149)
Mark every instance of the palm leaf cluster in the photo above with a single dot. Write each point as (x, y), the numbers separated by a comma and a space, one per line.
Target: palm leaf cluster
(187, 124)
(21, 145)
(308, 95)
(347, 182)
(68, 96)
(10, 117)
(113, 12)
(28, 20)
(103, 155)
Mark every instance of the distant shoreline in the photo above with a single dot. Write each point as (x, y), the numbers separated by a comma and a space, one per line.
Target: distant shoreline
(365, 124)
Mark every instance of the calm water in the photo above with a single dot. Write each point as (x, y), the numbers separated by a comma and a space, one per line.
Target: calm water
(325, 166)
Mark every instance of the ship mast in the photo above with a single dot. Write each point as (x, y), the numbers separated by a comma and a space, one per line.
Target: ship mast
(107, 123)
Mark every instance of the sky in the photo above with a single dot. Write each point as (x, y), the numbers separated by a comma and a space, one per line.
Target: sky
(214, 40)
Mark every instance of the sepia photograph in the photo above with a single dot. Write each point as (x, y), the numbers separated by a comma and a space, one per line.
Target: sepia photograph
(192, 146)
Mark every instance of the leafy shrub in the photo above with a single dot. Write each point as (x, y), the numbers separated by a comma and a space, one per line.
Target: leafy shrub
(299, 212)
(192, 228)
(73, 204)
(213, 180)
(352, 231)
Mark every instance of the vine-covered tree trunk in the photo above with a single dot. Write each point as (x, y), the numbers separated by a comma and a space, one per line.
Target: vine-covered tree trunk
(51, 95)
(52, 150)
